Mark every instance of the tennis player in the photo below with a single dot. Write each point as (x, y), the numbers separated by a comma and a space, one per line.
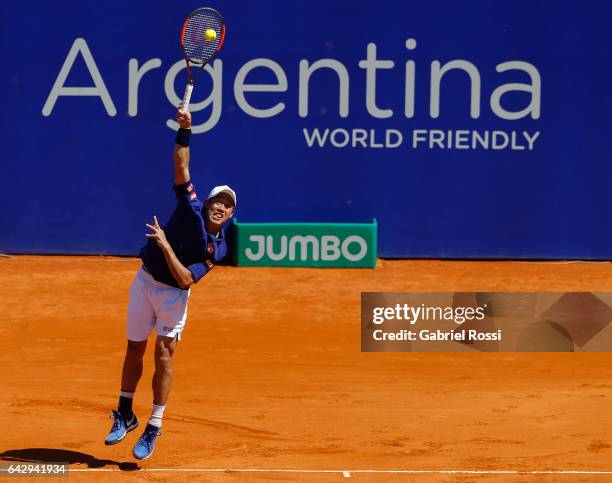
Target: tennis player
(175, 257)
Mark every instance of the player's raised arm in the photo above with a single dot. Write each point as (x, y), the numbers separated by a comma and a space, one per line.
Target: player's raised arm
(181, 148)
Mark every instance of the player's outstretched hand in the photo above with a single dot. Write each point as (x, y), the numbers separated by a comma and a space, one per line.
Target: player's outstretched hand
(183, 118)
(158, 234)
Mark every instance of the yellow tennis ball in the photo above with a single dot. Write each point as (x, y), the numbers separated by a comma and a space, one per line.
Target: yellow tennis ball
(210, 34)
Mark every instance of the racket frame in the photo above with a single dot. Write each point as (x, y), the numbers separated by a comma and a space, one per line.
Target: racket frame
(192, 78)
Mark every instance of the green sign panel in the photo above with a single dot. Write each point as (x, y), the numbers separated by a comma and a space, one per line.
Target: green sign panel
(349, 245)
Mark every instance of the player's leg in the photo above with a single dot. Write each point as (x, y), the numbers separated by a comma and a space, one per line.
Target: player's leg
(131, 374)
(140, 322)
(162, 378)
(162, 382)
(171, 312)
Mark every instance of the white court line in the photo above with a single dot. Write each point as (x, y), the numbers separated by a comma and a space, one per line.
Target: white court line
(349, 472)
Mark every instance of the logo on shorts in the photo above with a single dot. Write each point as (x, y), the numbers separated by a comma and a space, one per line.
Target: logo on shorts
(193, 195)
(168, 329)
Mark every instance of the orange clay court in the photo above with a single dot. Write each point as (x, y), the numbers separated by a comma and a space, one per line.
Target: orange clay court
(269, 376)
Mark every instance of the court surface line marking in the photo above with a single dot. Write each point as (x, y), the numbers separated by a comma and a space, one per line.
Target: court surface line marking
(346, 472)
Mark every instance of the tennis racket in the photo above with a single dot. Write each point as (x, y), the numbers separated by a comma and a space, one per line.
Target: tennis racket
(198, 44)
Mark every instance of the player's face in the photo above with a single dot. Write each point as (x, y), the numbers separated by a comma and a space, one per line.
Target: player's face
(219, 210)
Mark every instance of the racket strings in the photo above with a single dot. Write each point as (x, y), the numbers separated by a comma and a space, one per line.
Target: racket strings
(197, 48)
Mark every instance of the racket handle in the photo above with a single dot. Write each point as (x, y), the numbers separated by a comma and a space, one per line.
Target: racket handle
(187, 97)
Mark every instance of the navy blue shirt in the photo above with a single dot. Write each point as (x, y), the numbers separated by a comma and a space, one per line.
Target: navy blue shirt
(186, 232)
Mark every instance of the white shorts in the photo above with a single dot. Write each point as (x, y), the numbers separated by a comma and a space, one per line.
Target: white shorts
(155, 304)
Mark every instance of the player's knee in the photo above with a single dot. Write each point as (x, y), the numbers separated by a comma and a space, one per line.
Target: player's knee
(163, 362)
(136, 350)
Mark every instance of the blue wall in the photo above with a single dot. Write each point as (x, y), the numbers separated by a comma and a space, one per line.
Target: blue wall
(82, 177)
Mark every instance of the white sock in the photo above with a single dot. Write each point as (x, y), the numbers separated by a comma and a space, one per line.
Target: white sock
(156, 415)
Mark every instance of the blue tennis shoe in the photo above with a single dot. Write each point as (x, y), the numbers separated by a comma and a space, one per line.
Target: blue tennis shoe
(146, 444)
(121, 427)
